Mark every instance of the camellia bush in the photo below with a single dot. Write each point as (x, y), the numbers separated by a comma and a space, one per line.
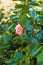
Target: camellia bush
(21, 34)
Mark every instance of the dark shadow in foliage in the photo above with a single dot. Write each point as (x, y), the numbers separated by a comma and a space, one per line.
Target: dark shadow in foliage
(33, 61)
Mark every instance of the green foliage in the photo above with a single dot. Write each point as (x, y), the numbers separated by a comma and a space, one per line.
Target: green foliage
(24, 49)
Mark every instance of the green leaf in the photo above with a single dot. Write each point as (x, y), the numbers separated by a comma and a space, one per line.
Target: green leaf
(8, 61)
(37, 51)
(15, 63)
(40, 57)
(19, 6)
(22, 18)
(1, 54)
(35, 4)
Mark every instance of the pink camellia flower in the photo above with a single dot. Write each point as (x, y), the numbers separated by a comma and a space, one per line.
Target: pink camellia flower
(19, 29)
